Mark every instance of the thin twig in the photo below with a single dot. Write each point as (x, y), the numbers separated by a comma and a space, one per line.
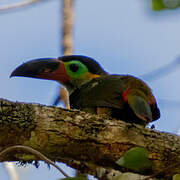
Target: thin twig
(163, 170)
(10, 167)
(64, 96)
(162, 71)
(33, 151)
(18, 5)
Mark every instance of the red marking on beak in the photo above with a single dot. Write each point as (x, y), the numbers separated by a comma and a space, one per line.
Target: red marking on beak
(46, 68)
(58, 74)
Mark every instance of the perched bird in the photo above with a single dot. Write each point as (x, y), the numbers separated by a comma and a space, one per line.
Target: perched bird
(93, 90)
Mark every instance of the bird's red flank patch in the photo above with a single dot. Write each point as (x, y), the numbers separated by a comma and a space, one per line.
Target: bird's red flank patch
(124, 95)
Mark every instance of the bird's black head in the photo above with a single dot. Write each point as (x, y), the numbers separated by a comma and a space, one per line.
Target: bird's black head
(93, 66)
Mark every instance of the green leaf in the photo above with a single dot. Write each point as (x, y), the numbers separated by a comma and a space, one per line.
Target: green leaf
(176, 177)
(158, 5)
(128, 176)
(75, 178)
(171, 4)
(135, 159)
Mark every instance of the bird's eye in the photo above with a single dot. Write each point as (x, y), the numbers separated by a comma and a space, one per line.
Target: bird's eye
(74, 67)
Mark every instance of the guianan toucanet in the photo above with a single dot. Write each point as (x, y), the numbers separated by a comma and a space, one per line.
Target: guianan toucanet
(92, 89)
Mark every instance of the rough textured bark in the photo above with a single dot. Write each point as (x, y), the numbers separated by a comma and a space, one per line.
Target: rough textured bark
(70, 135)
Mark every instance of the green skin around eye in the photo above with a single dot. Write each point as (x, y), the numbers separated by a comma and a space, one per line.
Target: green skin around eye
(79, 73)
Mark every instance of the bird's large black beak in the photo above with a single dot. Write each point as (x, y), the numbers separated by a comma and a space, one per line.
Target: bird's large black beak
(45, 68)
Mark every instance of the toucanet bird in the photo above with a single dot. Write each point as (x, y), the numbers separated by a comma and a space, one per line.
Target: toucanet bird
(93, 90)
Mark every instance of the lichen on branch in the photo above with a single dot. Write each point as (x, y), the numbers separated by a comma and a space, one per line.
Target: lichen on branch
(70, 135)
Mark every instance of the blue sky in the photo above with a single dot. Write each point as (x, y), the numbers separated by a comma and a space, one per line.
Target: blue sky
(126, 37)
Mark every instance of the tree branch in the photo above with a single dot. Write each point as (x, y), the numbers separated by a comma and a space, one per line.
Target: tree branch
(65, 135)
(19, 5)
(67, 27)
(34, 152)
(66, 45)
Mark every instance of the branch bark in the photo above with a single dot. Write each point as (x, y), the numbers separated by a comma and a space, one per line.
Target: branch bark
(70, 135)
